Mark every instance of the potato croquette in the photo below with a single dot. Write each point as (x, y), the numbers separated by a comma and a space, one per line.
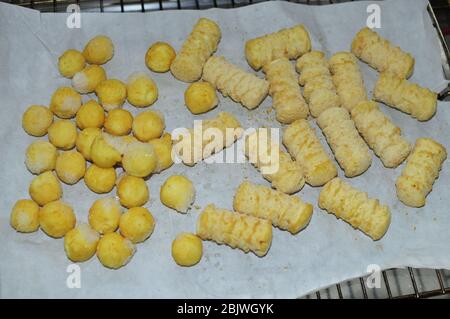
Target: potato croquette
(200, 97)
(63, 134)
(178, 193)
(65, 102)
(87, 80)
(40, 157)
(36, 120)
(100, 180)
(45, 188)
(139, 159)
(90, 114)
(70, 167)
(57, 218)
(104, 215)
(99, 50)
(159, 57)
(25, 216)
(71, 62)
(118, 122)
(148, 125)
(137, 224)
(85, 139)
(141, 90)
(163, 149)
(132, 191)
(114, 251)
(111, 94)
(187, 249)
(81, 242)
(104, 154)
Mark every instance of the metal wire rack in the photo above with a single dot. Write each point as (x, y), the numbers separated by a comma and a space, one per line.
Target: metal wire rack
(396, 283)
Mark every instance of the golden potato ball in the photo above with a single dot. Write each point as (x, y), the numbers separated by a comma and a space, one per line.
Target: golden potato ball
(141, 90)
(40, 157)
(163, 149)
(159, 57)
(111, 94)
(36, 120)
(132, 191)
(104, 154)
(148, 125)
(87, 80)
(99, 50)
(65, 102)
(137, 224)
(104, 215)
(200, 97)
(45, 188)
(57, 218)
(63, 134)
(187, 249)
(120, 143)
(90, 114)
(85, 139)
(139, 159)
(114, 251)
(71, 62)
(178, 193)
(118, 122)
(25, 216)
(70, 167)
(100, 180)
(80, 243)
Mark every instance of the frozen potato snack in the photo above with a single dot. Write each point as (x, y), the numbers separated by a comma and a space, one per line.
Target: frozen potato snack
(98, 50)
(25, 216)
(87, 80)
(236, 230)
(104, 215)
(287, 99)
(141, 90)
(178, 193)
(187, 249)
(81, 242)
(241, 86)
(115, 251)
(36, 120)
(45, 188)
(380, 54)
(355, 207)
(65, 102)
(71, 62)
(421, 170)
(159, 57)
(41, 157)
(57, 218)
(288, 43)
(198, 47)
(283, 211)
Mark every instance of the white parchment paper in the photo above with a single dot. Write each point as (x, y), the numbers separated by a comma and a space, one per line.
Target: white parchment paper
(326, 252)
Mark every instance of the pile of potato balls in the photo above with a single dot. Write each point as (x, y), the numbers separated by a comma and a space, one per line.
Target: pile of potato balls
(100, 132)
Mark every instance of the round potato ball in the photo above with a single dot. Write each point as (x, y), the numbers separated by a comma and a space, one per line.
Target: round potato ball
(36, 120)
(159, 57)
(100, 180)
(187, 249)
(137, 224)
(71, 62)
(99, 50)
(25, 216)
(115, 251)
(57, 218)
